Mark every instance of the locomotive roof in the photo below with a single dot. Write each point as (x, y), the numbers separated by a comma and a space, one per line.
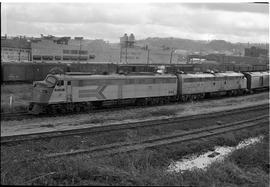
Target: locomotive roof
(113, 76)
(258, 73)
(201, 75)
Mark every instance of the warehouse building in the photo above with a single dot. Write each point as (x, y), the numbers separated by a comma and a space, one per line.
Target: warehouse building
(15, 49)
(52, 48)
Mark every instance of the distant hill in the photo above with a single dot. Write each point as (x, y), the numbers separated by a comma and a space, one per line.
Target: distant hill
(197, 45)
(160, 49)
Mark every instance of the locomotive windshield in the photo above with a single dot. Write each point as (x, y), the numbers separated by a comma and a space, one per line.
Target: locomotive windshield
(51, 80)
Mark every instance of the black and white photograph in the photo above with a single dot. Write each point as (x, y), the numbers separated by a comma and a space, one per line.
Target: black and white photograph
(135, 93)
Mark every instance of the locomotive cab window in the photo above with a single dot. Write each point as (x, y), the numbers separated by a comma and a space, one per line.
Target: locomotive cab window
(51, 80)
(68, 82)
(60, 83)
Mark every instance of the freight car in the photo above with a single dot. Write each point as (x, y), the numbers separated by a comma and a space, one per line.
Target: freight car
(13, 72)
(75, 92)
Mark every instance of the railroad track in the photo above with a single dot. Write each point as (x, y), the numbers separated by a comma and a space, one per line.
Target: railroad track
(125, 147)
(14, 116)
(25, 115)
(13, 139)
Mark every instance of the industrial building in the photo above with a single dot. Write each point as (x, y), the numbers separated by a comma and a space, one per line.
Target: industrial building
(16, 49)
(256, 52)
(45, 49)
(52, 48)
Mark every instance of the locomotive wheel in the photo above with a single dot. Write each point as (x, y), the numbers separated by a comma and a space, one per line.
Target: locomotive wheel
(240, 92)
(161, 102)
(229, 93)
(193, 97)
(201, 96)
(183, 98)
(63, 109)
(49, 110)
(77, 109)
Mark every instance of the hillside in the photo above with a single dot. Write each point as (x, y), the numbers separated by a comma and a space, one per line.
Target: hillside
(197, 45)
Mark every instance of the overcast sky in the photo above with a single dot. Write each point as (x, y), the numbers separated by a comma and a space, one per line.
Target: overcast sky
(235, 22)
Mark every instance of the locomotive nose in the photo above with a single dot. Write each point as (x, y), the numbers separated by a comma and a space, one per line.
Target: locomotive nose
(41, 93)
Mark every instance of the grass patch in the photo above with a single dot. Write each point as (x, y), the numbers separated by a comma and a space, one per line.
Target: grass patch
(47, 125)
(163, 112)
(247, 167)
(21, 93)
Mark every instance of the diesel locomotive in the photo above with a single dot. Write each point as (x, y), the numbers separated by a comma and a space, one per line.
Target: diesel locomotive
(69, 92)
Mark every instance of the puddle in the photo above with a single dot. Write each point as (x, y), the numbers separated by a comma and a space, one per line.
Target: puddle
(204, 160)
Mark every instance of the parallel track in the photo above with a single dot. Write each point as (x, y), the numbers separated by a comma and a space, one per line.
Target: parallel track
(26, 115)
(13, 139)
(15, 116)
(116, 148)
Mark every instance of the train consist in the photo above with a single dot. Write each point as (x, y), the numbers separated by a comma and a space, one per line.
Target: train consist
(68, 92)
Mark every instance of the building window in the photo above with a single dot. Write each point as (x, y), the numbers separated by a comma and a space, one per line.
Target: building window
(74, 52)
(47, 57)
(57, 58)
(92, 56)
(83, 52)
(66, 58)
(35, 57)
(83, 58)
(66, 51)
(70, 58)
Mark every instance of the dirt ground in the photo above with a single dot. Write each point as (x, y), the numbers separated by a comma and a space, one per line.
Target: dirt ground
(130, 115)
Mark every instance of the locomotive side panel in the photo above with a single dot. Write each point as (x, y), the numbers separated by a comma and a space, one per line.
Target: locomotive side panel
(266, 80)
(94, 93)
(150, 87)
(257, 79)
(97, 89)
(206, 83)
(59, 93)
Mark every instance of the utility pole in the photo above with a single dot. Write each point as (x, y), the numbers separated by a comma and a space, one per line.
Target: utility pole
(120, 53)
(20, 49)
(171, 56)
(126, 54)
(80, 50)
(148, 51)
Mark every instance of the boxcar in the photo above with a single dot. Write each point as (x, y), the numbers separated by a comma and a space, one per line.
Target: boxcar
(17, 72)
(95, 68)
(136, 68)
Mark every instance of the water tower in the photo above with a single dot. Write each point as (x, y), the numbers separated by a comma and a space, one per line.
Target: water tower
(124, 40)
(131, 40)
